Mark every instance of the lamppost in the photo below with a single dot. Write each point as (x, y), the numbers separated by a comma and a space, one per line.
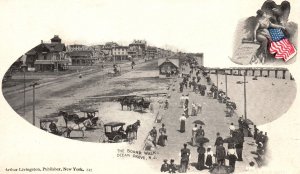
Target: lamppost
(33, 101)
(24, 66)
(245, 96)
(226, 85)
(217, 84)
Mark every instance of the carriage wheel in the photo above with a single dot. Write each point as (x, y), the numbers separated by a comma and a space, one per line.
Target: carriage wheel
(117, 139)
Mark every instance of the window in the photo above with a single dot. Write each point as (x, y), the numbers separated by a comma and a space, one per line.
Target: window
(107, 129)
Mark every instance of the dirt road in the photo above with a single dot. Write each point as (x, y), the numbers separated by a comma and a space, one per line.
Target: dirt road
(67, 90)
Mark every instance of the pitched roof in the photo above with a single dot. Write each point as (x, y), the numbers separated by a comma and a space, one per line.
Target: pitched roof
(173, 61)
(47, 47)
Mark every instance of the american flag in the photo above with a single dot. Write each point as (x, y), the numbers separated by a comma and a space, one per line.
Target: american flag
(280, 46)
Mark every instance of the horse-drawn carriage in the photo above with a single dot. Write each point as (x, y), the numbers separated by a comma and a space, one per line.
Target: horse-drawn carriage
(134, 102)
(80, 124)
(92, 120)
(114, 132)
(89, 120)
(49, 124)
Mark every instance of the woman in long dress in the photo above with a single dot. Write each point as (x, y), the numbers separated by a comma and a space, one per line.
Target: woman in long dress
(182, 98)
(186, 110)
(158, 116)
(199, 108)
(182, 123)
(201, 157)
(163, 136)
(194, 132)
(194, 110)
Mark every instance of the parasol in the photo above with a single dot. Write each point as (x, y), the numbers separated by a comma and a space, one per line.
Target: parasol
(199, 122)
(231, 140)
(201, 140)
(248, 122)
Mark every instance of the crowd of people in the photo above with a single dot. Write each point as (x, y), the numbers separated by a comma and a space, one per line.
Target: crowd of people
(209, 157)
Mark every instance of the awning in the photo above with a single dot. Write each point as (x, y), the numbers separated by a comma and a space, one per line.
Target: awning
(50, 62)
(43, 62)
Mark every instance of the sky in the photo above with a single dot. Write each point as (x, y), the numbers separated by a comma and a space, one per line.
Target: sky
(205, 26)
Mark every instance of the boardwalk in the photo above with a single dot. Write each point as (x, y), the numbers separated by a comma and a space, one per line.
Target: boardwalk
(213, 116)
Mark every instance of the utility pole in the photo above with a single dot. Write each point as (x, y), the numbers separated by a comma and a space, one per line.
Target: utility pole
(24, 81)
(226, 86)
(217, 84)
(33, 104)
(245, 97)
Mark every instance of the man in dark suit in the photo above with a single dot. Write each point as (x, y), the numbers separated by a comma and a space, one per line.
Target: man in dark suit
(172, 167)
(185, 157)
(239, 146)
(219, 140)
(153, 134)
(165, 166)
(220, 154)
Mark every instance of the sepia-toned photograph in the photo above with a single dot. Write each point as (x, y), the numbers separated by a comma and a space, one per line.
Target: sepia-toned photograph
(154, 99)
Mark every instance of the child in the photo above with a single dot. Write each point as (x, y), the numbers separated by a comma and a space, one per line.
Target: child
(209, 155)
(172, 167)
(165, 166)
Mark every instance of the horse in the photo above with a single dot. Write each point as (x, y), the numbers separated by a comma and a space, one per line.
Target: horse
(76, 127)
(141, 104)
(132, 129)
(71, 117)
(126, 101)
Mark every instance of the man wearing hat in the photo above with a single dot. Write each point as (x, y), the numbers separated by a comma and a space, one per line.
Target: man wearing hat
(153, 134)
(165, 166)
(172, 167)
(219, 140)
(201, 157)
(163, 135)
(185, 157)
(241, 122)
(166, 104)
(220, 154)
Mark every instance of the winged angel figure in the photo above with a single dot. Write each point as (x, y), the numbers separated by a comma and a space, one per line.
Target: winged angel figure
(271, 29)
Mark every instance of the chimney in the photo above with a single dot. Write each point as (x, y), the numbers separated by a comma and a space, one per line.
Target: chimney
(41, 41)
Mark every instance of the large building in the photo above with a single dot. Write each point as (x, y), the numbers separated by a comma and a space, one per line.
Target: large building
(107, 50)
(47, 56)
(80, 55)
(120, 53)
(151, 52)
(81, 58)
(138, 49)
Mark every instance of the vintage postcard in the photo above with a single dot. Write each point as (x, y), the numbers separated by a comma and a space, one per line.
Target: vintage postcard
(149, 86)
